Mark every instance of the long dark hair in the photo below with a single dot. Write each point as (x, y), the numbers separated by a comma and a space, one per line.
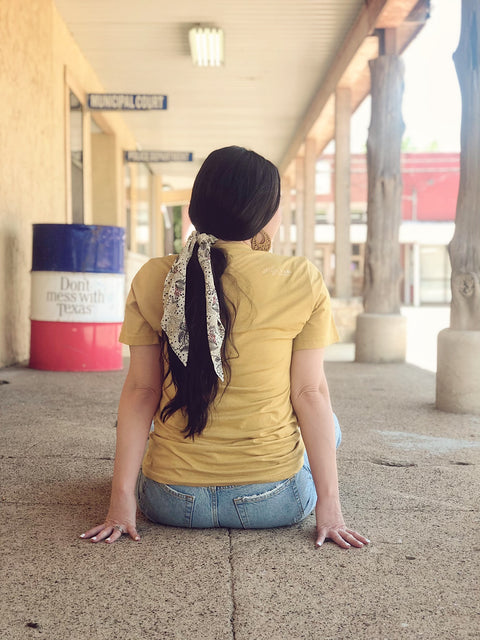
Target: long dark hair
(235, 194)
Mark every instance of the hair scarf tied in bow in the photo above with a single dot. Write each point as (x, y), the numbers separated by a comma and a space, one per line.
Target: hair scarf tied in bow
(173, 321)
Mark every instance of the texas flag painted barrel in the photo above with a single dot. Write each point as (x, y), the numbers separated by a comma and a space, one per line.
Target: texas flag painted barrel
(77, 308)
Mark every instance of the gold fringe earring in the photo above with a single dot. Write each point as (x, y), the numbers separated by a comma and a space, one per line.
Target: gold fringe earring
(261, 241)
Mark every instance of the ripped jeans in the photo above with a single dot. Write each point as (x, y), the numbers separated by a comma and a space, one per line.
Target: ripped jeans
(251, 506)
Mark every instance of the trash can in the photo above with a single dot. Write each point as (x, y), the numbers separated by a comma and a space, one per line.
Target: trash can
(77, 303)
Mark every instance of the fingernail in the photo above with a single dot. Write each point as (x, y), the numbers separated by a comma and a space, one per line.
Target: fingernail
(319, 544)
(82, 535)
(107, 540)
(137, 537)
(367, 540)
(94, 538)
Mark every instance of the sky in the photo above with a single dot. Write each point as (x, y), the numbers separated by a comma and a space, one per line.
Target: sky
(431, 102)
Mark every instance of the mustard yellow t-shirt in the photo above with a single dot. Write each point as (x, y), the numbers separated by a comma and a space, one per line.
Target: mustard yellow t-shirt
(252, 434)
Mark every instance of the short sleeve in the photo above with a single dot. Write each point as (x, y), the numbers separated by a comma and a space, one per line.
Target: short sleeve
(140, 311)
(319, 331)
(135, 329)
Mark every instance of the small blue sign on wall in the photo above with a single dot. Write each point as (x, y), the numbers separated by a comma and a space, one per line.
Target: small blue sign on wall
(126, 101)
(158, 156)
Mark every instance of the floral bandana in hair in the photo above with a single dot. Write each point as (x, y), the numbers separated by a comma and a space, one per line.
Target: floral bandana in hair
(173, 321)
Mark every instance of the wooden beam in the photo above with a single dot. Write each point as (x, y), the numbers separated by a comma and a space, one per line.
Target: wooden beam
(408, 17)
(399, 12)
(390, 42)
(347, 50)
(343, 249)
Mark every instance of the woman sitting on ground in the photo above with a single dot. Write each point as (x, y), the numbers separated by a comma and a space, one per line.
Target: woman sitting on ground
(228, 362)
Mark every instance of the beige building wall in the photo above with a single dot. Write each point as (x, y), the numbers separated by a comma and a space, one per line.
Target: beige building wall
(38, 58)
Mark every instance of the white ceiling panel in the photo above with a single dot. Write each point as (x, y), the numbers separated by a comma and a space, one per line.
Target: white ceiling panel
(276, 54)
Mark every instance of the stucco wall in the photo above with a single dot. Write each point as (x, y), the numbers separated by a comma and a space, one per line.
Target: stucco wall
(36, 48)
(28, 175)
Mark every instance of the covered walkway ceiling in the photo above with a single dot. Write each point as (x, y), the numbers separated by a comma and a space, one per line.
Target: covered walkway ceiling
(283, 60)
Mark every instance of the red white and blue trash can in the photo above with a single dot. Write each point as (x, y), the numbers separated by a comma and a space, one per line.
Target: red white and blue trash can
(78, 289)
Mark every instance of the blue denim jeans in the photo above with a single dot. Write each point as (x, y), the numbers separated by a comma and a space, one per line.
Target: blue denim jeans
(251, 506)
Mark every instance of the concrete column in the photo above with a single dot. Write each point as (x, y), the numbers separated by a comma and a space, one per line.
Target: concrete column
(299, 199)
(309, 199)
(158, 231)
(416, 274)
(343, 250)
(407, 276)
(133, 206)
(287, 215)
(105, 190)
(381, 338)
(458, 371)
(327, 265)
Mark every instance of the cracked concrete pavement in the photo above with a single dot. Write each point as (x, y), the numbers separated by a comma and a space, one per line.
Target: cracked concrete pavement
(409, 480)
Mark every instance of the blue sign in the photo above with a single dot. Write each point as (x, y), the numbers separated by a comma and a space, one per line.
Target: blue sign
(158, 156)
(126, 101)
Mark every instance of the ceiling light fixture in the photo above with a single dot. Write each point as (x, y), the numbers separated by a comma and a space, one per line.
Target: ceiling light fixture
(206, 46)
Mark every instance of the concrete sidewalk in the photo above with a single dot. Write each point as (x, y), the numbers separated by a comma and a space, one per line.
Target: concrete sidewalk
(409, 481)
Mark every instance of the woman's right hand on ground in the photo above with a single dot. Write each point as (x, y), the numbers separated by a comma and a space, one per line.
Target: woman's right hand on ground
(121, 518)
(331, 526)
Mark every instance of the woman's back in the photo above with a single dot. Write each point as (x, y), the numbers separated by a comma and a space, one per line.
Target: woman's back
(252, 434)
(226, 354)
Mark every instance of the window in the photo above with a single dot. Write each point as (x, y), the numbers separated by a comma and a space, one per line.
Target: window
(358, 216)
(323, 178)
(321, 216)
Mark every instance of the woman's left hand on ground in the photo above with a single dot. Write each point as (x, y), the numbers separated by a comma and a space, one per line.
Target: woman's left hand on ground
(331, 526)
(121, 518)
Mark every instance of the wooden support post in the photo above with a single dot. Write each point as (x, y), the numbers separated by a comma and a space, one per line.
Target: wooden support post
(299, 219)
(309, 200)
(287, 215)
(381, 330)
(343, 250)
(464, 249)
(382, 260)
(458, 370)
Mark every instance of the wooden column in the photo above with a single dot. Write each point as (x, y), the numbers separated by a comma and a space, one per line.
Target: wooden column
(458, 368)
(299, 218)
(382, 259)
(343, 249)
(309, 199)
(287, 215)
(464, 249)
(381, 330)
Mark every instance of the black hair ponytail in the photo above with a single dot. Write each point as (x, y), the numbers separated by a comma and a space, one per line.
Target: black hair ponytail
(197, 383)
(235, 194)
